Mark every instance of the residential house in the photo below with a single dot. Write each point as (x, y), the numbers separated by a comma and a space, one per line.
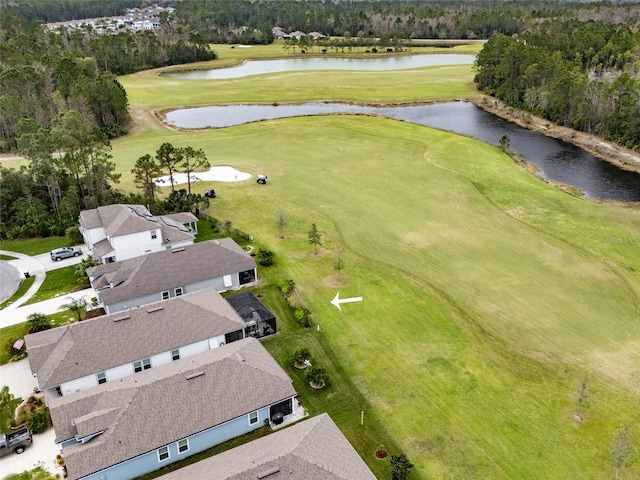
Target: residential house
(119, 232)
(311, 449)
(220, 264)
(140, 423)
(82, 355)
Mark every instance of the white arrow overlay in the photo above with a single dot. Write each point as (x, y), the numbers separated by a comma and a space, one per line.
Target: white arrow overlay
(337, 300)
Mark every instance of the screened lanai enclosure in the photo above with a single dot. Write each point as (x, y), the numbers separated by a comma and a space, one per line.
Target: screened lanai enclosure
(258, 318)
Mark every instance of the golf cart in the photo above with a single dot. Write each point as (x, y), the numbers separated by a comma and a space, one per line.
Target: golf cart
(210, 193)
(262, 179)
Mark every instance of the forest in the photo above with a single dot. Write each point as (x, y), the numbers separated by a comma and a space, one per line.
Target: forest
(582, 75)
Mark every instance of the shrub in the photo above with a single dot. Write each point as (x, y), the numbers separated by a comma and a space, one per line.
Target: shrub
(287, 287)
(302, 315)
(38, 421)
(265, 257)
(37, 322)
(74, 237)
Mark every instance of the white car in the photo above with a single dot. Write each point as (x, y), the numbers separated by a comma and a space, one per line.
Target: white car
(65, 252)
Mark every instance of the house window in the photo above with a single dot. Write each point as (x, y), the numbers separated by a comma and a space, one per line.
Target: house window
(178, 291)
(165, 295)
(253, 418)
(144, 364)
(175, 354)
(163, 454)
(102, 378)
(154, 234)
(183, 445)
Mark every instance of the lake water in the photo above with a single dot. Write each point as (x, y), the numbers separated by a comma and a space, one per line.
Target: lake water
(557, 160)
(259, 67)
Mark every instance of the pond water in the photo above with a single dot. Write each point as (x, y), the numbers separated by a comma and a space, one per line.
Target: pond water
(557, 160)
(258, 67)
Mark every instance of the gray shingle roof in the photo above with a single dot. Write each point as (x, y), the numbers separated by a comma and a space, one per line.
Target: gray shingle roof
(118, 220)
(168, 269)
(314, 449)
(153, 408)
(84, 348)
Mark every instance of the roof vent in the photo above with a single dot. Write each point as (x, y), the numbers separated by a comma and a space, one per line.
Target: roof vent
(239, 357)
(176, 250)
(266, 473)
(155, 309)
(193, 375)
(123, 317)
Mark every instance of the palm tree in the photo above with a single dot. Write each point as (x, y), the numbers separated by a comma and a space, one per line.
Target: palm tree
(35, 474)
(317, 377)
(299, 356)
(37, 322)
(76, 305)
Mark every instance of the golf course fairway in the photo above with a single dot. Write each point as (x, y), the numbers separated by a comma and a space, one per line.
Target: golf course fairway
(488, 295)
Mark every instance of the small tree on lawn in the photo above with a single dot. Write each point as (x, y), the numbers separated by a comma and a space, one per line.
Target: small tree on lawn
(314, 237)
(317, 377)
(281, 221)
(338, 261)
(581, 396)
(400, 467)
(76, 305)
(621, 450)
(37, 322)
(227, 227)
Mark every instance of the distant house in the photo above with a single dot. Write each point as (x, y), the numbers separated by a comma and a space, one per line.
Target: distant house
(138, 424)
(220, 264)
(119, 232)
(75, 357)
(311, 449)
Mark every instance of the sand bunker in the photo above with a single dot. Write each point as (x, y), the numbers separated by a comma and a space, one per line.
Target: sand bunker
(215, 174)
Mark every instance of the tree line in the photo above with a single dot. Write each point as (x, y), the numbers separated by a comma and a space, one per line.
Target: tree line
(250, 21)
(44, 74)
(584, 75)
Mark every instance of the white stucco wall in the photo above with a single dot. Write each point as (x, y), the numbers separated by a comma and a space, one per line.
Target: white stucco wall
(136, 244)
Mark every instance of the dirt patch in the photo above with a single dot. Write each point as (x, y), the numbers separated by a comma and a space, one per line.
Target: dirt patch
(610, 152)
(334, 281)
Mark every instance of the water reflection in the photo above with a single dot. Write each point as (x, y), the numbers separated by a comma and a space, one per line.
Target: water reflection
(557, 160)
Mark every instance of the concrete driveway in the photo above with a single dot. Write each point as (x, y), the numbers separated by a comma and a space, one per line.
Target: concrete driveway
(17, 376)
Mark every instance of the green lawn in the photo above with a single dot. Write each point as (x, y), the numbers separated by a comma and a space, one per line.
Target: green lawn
(33, 246)
(58, 282)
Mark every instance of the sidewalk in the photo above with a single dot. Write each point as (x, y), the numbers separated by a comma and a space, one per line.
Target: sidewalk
(37, 266)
